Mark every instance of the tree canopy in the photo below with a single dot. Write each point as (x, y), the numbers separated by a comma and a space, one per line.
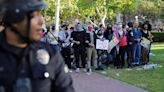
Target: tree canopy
(70, 8)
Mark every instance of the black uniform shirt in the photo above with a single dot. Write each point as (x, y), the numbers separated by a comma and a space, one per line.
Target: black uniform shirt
(31, 62)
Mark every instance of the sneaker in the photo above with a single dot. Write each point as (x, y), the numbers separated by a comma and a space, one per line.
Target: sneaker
(70, 71)
(84, 70)
(77, 70)
(89, 71)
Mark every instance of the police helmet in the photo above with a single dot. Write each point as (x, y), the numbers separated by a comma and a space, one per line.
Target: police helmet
(17, 9)
(2, 9)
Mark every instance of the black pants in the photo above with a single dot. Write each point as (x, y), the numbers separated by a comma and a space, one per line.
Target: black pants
(80, 52)
(121, 61)
(130, 55)
(66, 53)
(114, 54)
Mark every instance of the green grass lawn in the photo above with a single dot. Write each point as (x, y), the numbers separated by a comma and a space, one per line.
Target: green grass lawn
(151, 79)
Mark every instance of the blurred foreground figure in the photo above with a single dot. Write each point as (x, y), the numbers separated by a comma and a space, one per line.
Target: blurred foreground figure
(26, 64)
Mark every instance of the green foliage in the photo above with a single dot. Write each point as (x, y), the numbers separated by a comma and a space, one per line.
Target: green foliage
(148, 7)
(158, 36)
(113, 6)
(49, 11)
(86, 7)
(67, 9)
(70, 8)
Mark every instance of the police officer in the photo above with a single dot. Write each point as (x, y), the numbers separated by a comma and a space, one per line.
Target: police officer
(27, 65)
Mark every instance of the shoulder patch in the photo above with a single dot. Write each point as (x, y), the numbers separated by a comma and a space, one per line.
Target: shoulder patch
(43, 56)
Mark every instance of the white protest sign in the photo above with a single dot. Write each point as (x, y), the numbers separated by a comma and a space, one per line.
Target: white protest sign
(145, 42)
(102, 44)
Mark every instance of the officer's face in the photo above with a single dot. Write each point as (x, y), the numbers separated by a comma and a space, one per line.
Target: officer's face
(36, 25)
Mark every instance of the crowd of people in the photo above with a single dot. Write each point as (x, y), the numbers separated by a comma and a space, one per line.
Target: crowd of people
(158, 28)
(77, 44)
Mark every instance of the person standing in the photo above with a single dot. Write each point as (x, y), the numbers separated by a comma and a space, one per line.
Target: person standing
(91, 47)
(108, 35)
(64, 39)
(78, 40)
(130, 43)
(28, 65)
(122, 45)
(136, 46)
(145, 51)
(101, 54)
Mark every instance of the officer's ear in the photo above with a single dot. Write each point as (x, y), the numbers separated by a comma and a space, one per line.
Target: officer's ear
(15, 25)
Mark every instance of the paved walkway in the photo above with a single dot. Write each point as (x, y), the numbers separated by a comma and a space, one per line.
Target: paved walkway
(99, 83)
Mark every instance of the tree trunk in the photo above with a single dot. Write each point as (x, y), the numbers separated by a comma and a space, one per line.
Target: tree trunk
(57, 17)
(98, 12)
(124, 17)
(105, 14)
(118, 17)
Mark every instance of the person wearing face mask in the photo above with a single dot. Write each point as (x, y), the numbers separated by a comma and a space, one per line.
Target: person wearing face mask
(130, 43)
(108, 35)
(91, 48)
(100, 53)
(78, 39)
(122, 45)
(64, 39)
(115, 50)
(100, 35)
(108, 32)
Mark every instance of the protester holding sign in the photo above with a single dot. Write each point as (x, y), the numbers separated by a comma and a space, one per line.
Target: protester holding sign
(146, 41)
(101, 53)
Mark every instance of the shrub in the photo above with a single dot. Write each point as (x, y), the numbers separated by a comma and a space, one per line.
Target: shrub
(158, 36)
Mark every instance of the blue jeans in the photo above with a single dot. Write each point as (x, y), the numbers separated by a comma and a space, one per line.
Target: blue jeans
(136, 53)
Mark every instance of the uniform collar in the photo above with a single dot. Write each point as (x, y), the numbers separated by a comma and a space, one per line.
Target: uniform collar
(9, 48)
